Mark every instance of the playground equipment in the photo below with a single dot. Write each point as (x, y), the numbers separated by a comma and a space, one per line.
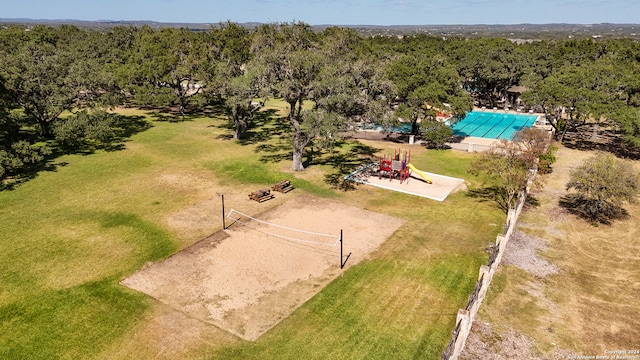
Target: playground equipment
(420, 173)
(396, 166)
(399, 166)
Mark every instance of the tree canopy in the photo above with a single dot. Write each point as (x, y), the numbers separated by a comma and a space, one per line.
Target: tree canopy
(52, 70)
(602, 184)
(510, 164)
(586, 88)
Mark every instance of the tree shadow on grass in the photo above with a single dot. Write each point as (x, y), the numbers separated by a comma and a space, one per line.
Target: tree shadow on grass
(31, 172)
(433, 146)
(607, 140)
(261, 127)
(123, 126)
(274, 153)
(344, 163)
(173, 114)
(130, 125)
(174, 117)
(355, 156)
(491, 193)
(264, 126)
(396, 138)
(532, 201)
(214, 110)
(266, 131)
(361, 149)
(593, 211)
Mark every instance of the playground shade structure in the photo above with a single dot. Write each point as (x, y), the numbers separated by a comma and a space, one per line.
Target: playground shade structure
(492, 125)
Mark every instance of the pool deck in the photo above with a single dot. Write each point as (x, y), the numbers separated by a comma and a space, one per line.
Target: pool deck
(479, 141)
(509, 111)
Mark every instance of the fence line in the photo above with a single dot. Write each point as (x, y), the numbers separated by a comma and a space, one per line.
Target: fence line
(466, 316)
(454, 336)
(494, 253)
(474, 295)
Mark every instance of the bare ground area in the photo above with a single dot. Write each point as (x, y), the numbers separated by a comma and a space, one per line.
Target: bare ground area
(522, 252)
(487, 344)
(169, 334)
(251, 276)
(565, 287)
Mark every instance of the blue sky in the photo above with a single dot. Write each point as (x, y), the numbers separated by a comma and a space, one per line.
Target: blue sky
(335, 12)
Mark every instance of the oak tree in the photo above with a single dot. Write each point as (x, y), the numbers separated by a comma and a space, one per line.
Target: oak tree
(50, 71)
(602, 184)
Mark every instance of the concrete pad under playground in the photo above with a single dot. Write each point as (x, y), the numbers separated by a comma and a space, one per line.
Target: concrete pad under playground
(440, 187)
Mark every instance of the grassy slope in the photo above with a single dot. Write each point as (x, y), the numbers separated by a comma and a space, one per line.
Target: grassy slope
(69, 235)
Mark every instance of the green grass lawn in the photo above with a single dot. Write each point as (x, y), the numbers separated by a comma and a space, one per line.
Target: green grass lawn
(69, 235)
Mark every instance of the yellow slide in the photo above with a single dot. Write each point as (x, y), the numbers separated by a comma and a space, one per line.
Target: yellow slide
(420, 172)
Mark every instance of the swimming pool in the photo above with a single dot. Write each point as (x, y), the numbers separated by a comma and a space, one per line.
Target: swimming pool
(492, 125)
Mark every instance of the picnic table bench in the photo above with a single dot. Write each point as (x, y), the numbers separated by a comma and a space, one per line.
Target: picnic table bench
(283, 186)
(261, 195)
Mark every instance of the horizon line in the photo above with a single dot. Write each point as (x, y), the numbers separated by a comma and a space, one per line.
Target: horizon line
(284, 22)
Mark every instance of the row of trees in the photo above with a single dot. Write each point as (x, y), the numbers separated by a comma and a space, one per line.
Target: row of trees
(46, 71)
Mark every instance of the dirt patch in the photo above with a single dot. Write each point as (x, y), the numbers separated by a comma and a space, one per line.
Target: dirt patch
(522, 252)
(251, 276)
(196, 219)
(201, 198)
(484, 343)
(168, 334)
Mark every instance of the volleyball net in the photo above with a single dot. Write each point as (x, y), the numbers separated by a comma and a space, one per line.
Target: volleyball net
(284, 232)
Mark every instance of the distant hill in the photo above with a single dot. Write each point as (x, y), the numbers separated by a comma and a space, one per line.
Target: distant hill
(102, 24)
(522, 32)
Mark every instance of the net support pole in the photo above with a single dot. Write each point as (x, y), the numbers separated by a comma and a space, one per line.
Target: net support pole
(224, 225)
(341, 263)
